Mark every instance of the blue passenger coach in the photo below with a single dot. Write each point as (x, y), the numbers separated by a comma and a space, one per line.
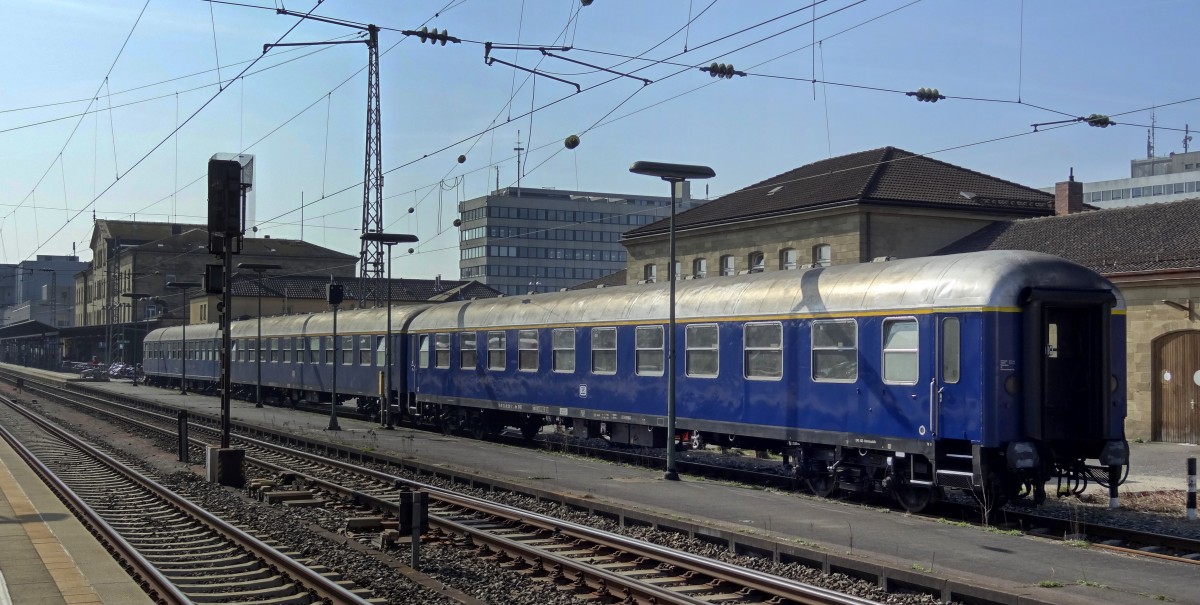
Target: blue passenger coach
(990, 371)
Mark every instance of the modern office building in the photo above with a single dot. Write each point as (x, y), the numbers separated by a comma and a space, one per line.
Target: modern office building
(543, 240)
(1151, 180)
(41, 289)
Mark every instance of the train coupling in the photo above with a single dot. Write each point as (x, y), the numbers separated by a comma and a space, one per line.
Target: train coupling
(1115, 453)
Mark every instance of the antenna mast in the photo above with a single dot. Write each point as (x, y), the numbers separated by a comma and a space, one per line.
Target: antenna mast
(518, 149)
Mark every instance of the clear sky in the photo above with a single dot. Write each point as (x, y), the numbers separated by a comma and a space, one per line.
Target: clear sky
(304, 116)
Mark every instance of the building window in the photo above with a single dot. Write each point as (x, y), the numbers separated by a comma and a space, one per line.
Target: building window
(822, 255)
(678, 270)
(700, 268)
(527, 350)
(763, 350)
(441, 350)
(835, 350)
(900, 351)
(497, 343)
(701, 358)
(563, 344)
(728, 265)
(648, 342)
(787, 259)
(756, 262)
(650, 273)
(604, 350)
(468, 351)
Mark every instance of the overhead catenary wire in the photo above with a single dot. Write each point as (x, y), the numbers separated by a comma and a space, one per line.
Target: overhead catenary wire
(41, 243)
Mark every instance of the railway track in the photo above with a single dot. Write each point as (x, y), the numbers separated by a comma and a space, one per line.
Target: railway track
(592, 563)
(1097, 535)
(182, 553)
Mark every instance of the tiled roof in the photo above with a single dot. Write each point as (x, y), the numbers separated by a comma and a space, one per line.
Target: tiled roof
(887, 175)
(616, 278)
(1150, 237)
(403, 290)
(158, 236)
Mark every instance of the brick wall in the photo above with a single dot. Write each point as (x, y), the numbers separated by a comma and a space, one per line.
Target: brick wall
(1148, 318)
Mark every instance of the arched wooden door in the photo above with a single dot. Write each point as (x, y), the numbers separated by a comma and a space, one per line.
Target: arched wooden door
(1177, 387)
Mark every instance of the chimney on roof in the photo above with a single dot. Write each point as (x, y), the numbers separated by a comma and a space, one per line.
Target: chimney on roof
(437, 283)
(1068, 196)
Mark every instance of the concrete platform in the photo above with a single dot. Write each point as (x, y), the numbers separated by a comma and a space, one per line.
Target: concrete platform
(46, 555)
(982, 558)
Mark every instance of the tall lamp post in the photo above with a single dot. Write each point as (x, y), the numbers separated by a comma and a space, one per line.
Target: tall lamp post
(260, 269)
(389, 240)
(671, 173)
(187, 316)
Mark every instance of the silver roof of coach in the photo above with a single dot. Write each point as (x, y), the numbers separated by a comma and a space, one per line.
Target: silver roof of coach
(991, 279)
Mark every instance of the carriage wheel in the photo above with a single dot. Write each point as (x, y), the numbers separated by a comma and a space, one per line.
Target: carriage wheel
(914, 498)
(530, 428)
(823, 485)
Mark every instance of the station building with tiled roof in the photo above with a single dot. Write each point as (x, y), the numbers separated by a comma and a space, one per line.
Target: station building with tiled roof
(847, 209)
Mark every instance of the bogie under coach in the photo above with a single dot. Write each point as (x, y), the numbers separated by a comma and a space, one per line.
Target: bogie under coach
(992, 372)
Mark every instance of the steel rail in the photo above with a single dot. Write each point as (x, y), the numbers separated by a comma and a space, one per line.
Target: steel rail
(323, 587)
(151, 580)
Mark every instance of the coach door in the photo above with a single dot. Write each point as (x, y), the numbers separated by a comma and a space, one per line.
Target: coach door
(1066, 334)
(1177, 387)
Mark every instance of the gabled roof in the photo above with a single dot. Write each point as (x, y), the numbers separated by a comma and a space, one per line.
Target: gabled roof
(882, 176)
(1150, 237)
(168, 237)
(403, 290)
(616, 278)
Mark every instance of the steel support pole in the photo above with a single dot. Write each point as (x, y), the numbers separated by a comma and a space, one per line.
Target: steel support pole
(671, 474)
(258, 350)
(333, 420)
(183, 369)
(387, 348)
(226, 340)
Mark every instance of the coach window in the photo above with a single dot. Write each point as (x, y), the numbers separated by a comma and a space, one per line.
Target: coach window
(251, 349)
(527, 350)
(237, 349)
(441, 350)
(951, 350)
(763, 351)
(364, 350)
(380, 357)
(287, 350)
(648, 345)
(497, 343)
(423, 351)
(835, 350)
(314, 349)
(346, 346)
(468, 351)
(701, 357)
(274, 349)
(563, 344)
(900, 351)
(604, 350)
